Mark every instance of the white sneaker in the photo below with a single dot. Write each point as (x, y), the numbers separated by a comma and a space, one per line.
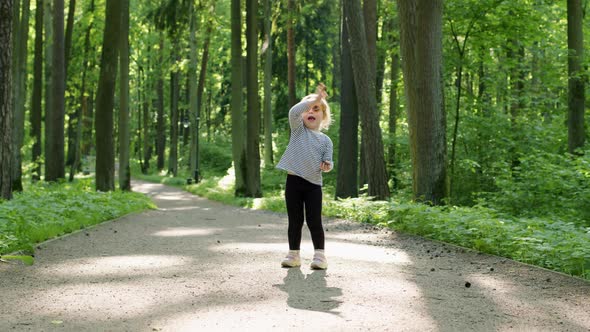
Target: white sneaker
(319, 261)
(292, 259)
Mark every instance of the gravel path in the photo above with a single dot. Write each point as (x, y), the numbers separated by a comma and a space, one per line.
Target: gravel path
(197, 265)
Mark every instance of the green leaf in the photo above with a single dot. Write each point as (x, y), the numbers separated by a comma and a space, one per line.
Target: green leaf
(27, 260)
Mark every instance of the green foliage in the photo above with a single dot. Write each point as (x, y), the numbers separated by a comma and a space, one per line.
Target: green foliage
(45, 211)
(27, 260)
(215, 158)
(545, 185)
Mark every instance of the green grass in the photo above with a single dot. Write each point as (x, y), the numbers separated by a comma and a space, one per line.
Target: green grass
(552, 243)
(44, 211)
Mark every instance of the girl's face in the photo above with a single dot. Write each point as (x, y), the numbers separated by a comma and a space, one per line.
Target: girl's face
(313, 117)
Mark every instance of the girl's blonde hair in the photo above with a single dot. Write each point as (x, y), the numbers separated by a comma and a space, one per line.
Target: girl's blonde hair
(327, 121)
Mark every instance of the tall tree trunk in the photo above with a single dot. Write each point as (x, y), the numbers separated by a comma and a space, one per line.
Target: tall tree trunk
(389, 35)
(87, 145)
(174, 95)
(421, 45)
(147, 150)
(267, 50)
(237, 117)
(576, 74)
(6, 102)
(73, 117)
(393, 115)
(347, 170)
(124, 125)
(20, 82)
(370, 19)
(54, 129)
(387, 29)
(365, 89)
(201, 85)
(81, 111)
(370, 22)
(291, 52)
(194, 108)
(105, 99)
(161, 124)
(337, 60)
(48, 62)
(69, 33)
(139, 131)
(37, 95)
(253, 124)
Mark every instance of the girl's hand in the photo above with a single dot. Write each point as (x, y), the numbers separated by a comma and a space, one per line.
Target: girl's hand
(321, 91)
(326, 166)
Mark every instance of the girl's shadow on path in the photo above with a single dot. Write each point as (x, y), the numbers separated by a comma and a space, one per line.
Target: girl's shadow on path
(310, 292)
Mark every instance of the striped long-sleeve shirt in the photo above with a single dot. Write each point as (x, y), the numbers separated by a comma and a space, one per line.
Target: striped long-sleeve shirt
(307, 148)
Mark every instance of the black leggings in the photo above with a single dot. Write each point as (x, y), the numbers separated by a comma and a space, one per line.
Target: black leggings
(301, 194)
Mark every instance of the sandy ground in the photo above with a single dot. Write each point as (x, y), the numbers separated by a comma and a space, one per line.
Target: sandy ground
(197, 265)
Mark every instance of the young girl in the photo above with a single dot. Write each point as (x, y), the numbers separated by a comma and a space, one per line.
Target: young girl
(308, 154)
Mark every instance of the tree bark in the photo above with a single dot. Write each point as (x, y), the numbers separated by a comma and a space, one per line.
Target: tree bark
(81, 111)
(37, 95)
(174, 95)
(370, 22)
(421, 45)
(291, 52)
(20, 85)
(105, 149)
(237, 117)
(161, 124)
(370, 19)
(253, 126)
(193, 98)
(365, 89)
(576, 76)
(124, 144)
(54, 129)
(48, 62)
(201, 83)
(347, 166)
(267, 50)
(6, 102)
(69, 33)
(393, 115)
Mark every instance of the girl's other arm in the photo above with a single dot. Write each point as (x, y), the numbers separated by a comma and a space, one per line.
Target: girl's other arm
(327, 163)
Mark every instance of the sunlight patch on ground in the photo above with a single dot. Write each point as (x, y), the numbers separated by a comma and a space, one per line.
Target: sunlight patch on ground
(495, 284)
(118, 265)
(511, 297)
(183, 231)
(104, 301)
(333, 249)
(184, 208)
(257, 203)
(247, 317)
(172, 196)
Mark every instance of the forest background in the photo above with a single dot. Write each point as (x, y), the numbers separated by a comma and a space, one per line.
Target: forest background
(462, 121)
